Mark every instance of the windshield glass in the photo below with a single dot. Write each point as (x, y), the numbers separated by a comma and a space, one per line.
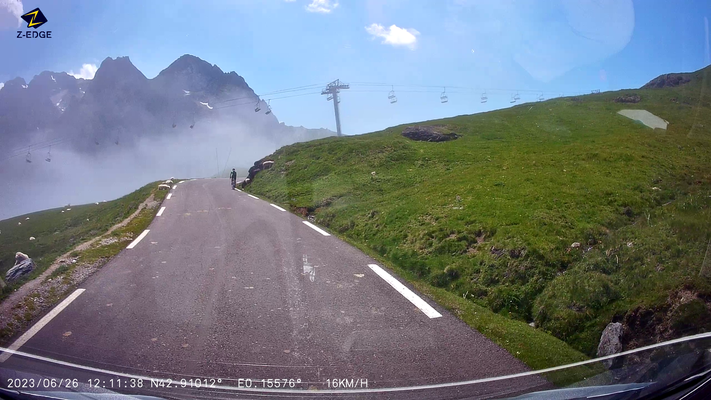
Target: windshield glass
(388, 199)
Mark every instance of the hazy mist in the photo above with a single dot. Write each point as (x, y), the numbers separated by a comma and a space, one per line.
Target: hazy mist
(116, 170)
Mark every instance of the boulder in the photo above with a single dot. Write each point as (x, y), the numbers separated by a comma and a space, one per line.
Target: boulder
(162, 186)
(23, 266)
(610, 343)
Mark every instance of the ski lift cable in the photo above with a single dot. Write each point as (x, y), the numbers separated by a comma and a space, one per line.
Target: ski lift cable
(295, 89)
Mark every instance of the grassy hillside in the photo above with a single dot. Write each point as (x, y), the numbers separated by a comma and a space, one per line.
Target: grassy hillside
(57, 232)
(491, 216)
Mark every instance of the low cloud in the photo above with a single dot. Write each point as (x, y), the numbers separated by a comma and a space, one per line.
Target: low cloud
(322, 6)
(87, 71)
(394, 35)
(10, 12)
(2, 85)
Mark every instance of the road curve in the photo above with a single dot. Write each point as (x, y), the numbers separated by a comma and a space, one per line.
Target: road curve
(227, 285)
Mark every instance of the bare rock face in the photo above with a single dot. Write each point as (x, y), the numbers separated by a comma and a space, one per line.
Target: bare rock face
(23, 266)
(610, 343)
(434, 133)
(667, 80)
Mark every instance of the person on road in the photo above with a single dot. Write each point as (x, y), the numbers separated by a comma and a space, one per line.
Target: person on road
(233, 178)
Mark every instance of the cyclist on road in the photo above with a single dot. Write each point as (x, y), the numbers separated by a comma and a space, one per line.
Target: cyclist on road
(233, 178)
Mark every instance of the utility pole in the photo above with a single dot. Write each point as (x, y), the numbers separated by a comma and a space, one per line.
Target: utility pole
(332, 90)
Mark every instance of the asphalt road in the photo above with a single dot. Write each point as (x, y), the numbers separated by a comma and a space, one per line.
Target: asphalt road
(227, 286)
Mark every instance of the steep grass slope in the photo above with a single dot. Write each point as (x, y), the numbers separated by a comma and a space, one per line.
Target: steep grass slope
(493, 216)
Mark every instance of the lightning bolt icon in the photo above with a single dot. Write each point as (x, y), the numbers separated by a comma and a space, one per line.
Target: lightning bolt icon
(32, 21)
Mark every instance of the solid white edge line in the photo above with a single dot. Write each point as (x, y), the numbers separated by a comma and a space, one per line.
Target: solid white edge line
(277, 207)
(382, 390)
(40, 324)
(160, 212)
(407, 293)
(138, 239)
(316, 228)
(254, 197)
(169, 196)
(175, 186)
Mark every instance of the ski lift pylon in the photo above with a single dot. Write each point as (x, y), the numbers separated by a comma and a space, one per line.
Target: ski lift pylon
(484, 99)
(443, 97)
(391, 95)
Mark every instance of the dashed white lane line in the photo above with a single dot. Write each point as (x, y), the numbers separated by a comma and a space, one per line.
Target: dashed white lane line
(160, 212)
(407, 293)
(254, 197)
(316, 228)
(277, 207)
(138, 239)
(175, 186)
(40, 324)
(169, 196)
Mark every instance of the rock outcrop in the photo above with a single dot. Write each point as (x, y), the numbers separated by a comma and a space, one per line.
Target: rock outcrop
(433, 133)
(23, 266)
(610, 343)
(628, 98)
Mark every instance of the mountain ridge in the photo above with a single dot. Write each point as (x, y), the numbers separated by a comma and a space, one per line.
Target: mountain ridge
(121, 101)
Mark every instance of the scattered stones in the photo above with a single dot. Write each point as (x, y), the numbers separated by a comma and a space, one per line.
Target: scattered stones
(575, 245)
(32, 238)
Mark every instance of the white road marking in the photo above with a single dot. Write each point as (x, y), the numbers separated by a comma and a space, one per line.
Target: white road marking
(254, 197)
(160, 212)
(138, 239)
(169, 196)
(40, 324)
(316, 228)
(277, 207)
(175, 186)
(407, 293)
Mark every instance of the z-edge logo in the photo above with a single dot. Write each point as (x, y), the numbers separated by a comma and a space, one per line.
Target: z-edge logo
(35, 18)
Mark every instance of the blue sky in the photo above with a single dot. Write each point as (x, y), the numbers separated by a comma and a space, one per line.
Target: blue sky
(421, 47)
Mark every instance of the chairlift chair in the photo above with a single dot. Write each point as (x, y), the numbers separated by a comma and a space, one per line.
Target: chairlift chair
(174, 124)
(256, 108)
(269, 108)
(391, 96)
(541, 98)
(513, 99)
(28, 157)
(484, 99)
(49, 155)
(517, 97)
(443, 97)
